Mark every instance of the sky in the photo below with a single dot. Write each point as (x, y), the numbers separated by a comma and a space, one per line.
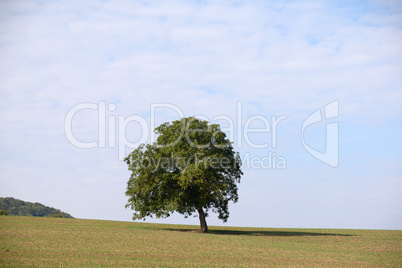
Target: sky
(309, 92)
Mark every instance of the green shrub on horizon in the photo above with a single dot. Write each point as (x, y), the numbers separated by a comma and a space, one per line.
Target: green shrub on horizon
(56, 216)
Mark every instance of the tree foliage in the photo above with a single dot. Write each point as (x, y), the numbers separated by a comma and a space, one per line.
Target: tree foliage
(191, 168)
(56, 216)
(21, 208)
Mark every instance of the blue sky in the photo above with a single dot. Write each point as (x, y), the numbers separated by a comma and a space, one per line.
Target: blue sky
(275, 58)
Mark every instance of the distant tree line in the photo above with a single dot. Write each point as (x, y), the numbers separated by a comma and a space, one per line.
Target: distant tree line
(12, 206)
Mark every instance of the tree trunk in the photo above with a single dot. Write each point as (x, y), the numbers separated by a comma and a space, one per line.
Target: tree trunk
(203, 222)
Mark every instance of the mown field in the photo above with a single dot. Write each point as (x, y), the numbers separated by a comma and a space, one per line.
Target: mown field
(53, 242)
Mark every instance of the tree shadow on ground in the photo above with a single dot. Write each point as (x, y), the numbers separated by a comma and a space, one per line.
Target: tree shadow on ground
(258, 233)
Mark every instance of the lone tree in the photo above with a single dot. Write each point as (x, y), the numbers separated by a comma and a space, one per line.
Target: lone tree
(190, 168)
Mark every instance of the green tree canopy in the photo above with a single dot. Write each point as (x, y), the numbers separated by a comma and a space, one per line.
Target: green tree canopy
(191, 168)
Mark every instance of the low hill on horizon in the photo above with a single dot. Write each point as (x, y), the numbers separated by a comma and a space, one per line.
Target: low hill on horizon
(19, 207)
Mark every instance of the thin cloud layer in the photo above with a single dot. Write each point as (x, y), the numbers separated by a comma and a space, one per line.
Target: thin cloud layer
(275, 57)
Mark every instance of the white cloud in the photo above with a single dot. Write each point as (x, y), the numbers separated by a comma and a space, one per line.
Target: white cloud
(276, 57)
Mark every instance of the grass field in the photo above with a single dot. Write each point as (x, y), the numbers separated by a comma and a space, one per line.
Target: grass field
(52, 242)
